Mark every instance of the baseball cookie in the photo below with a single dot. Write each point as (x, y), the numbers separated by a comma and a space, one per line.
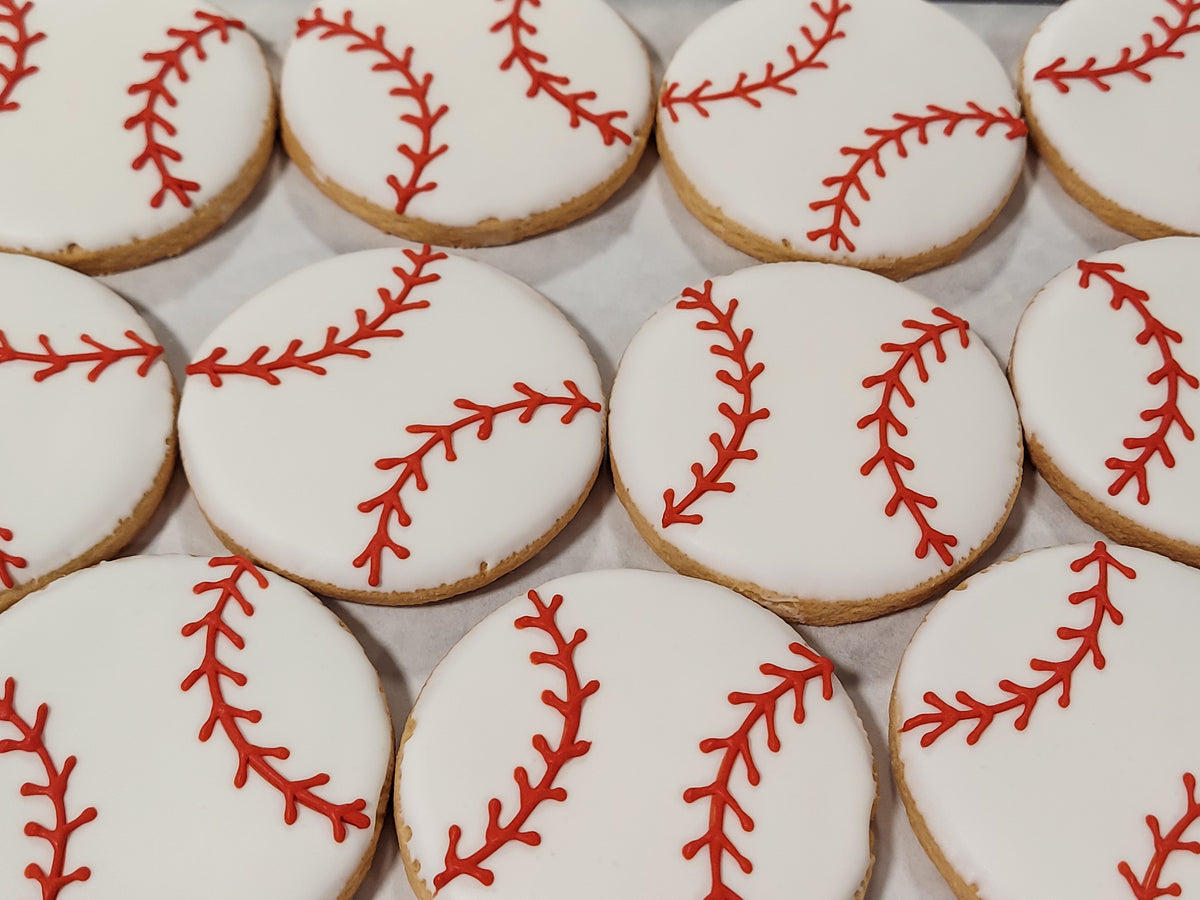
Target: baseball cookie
(1109, 87)
(819, 438)
(1106, 369)
(393, 426)
(88, 411)
(190, 728)
(129, 129)
(877, 133)
(1042, 728)
(630, 733)
(469, 123)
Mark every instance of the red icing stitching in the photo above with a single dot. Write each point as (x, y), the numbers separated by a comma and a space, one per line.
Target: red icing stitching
(55, 790)
(771, 80)
(551, 84)
(1147, 887)
(415, 89)
(852, 180)
(255, 366)
(1128, 63)
(101, 355)
(1171, 372)
(170, 61)
(570, 707)
(893, 461)
(737, 747)
(390, 503)
(251, 756)
(1059, 673)
(8, 561)
(14, 17)
(740, 380)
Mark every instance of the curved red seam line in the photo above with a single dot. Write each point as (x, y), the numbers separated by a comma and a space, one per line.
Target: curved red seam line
(54, 790)
(416, 89)
(9, 561)
(1147, 887)
(103, 356)
(390, 503)
(10, 76)
(252, 757)
(944, 716)
(706, 481)
(1127, 63)
(570, 707)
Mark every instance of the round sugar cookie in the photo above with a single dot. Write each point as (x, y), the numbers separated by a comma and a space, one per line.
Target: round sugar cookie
(180, 727)
(1041, 728)
(392, 426)
(1106, 369)
(470, 123)
(1109, 88)
(129, 129)
(88, 410)
(628, 733)
(819, 438)
(876, 133)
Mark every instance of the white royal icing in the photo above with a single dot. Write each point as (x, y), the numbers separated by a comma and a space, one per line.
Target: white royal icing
(104, 650)
(78, 455)
(66, 156)
(508, 155)
(1129, 134)
(1081, 413)
(282, 469)
(1051, 811)
(667, 653)
(763, 163)
(801, 513)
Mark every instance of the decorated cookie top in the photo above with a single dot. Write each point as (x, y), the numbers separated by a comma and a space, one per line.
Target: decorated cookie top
(88, 409)
(173, 718)
(1112, 87)
(814, 435)
(456, 113)
(858, 131)
(120, 118)
(393, 425)
(1040, 719)
(633, 731)
(1122, 433)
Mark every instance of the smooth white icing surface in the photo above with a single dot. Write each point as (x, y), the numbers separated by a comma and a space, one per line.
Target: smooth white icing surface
(103, 649)
(509, 155)
(764, 166)
(66, 158)
(1133, 143)
(1050, 812)
(1081, 412)
(667, 652)
(282, 468)
(78, 455)
(801, 513)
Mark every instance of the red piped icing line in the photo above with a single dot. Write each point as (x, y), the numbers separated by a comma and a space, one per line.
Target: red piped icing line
(1058, 673)
(1170, 374)
(256, 365)
(9, 561)
(887, 424)
(569, 747)
(1147, 887)
(1127, 63)
(481, 417)
(772, 79)
(14, 16)
(100, 357)
(151, 118)
(553, 86)
(740, 376)
(252, 757)
(851, 182)
(737, 747)
(58, 835)
(415, 87)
